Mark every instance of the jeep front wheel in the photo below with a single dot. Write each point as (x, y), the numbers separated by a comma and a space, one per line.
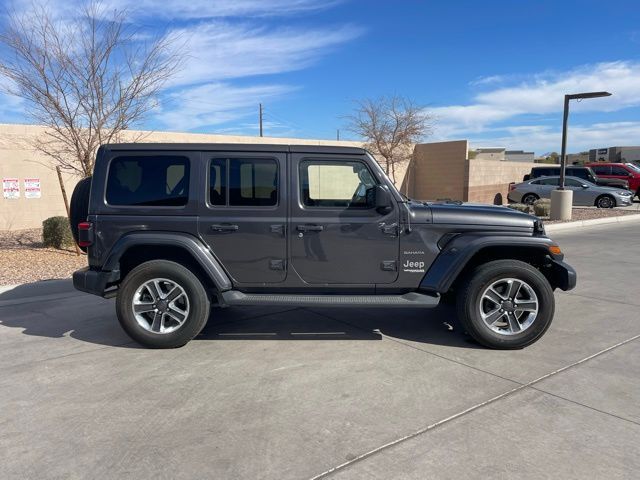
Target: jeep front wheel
(506, 304)
(162, 304)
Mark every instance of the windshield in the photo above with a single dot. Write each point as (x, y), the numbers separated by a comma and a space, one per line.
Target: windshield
(633, 167)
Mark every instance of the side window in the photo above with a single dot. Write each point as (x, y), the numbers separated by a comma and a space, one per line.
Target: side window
(243, 182)
(550, 181)
(153, 180)
(336, 184)
(602, 170)
(619, 171)
(218, 182)
(570, 182)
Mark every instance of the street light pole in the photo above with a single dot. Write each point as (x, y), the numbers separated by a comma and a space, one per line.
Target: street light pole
(563, 151)
(562, 199)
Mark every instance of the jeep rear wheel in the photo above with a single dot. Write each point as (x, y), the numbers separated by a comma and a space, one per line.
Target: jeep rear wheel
(162, 304)
(506, 304)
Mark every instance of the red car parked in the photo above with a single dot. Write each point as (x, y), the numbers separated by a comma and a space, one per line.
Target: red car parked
(625, 171)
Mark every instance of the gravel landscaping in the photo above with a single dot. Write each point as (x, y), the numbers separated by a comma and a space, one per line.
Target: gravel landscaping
(23, 258)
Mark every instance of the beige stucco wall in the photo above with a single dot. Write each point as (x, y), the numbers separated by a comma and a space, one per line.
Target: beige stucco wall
(442, 170)
(438, 170)
(488, 178)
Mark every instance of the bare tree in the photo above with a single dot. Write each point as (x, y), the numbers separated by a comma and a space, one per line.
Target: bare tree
(87, 79)
(390, 126)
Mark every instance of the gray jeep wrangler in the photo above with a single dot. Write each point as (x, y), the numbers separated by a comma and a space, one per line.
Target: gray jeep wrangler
(172, 229)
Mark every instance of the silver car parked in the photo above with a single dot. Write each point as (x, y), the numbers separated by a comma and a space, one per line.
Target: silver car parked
(584, 193)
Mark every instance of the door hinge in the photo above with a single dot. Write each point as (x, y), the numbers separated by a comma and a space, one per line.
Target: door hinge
(276, 264)
(389, 228)
(389, 265)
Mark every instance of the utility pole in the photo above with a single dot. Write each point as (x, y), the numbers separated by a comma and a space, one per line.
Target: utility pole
(338, 134)
(261, 120)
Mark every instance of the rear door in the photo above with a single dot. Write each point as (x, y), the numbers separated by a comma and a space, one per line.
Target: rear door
(546, 185)
(243, 219)
(621, 172)
(581, 195)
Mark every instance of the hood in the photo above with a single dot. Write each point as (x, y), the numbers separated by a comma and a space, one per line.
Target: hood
(475, 214)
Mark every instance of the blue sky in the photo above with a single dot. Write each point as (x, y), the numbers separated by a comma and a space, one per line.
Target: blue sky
(493, 72)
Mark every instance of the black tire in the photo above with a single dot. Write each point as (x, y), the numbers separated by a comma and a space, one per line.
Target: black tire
(605, 201)
(469, 303)
(638, 193)
(79, 206)
(529, 198)
(199, 305)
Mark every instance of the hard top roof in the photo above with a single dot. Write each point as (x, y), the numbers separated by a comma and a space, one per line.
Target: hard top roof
(234, 147)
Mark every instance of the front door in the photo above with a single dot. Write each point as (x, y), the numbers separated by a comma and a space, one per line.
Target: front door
(336, 235)
(244, 217)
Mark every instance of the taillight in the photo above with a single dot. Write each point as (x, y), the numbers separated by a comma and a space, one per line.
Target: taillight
(512, 186)
(85, 234)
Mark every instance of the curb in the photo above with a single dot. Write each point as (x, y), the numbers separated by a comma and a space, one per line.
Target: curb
(559, 227)
(6, 288)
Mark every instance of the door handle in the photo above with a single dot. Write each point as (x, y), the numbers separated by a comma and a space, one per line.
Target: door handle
(224, 227)
(310, 228)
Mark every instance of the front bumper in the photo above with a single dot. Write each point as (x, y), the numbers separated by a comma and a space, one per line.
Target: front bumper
(563, 276)
(95, 282)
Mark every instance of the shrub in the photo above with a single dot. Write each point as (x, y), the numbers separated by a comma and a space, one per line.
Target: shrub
(56, 232)
(521, 207)
(542, 207)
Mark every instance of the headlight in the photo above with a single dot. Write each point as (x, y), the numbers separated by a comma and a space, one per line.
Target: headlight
(625, 193)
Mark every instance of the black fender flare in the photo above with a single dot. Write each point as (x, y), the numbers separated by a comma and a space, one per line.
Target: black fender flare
(189, 243)
(457, 252)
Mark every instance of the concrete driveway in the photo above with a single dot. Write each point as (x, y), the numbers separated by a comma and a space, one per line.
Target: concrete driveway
(335, 393)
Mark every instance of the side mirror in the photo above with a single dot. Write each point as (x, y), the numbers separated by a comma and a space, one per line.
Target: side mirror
(382, 199)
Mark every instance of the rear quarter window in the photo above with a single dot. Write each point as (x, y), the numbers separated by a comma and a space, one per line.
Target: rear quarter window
(155, 181)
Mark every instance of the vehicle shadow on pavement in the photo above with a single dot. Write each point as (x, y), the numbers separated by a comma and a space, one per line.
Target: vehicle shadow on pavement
(61, 312)
(53, 309)
(433, 326)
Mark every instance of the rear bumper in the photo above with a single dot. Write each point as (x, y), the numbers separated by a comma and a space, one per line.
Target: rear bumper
(95, 282)
(563, 276)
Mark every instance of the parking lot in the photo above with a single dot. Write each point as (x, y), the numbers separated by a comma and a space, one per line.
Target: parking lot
(336, 393)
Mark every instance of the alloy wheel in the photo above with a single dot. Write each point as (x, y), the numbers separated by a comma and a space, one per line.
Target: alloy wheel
(160, 306)
(509, 306)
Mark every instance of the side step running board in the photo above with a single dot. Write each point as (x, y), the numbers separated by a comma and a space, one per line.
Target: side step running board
(413, 299)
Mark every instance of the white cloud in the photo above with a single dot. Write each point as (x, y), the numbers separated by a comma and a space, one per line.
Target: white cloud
(198, 9)
(220, 50)
(214, 104)
(185, 9)
(544, 94)
(544, 138)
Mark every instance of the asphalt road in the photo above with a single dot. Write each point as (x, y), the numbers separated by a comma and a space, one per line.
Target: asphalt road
(336, 393)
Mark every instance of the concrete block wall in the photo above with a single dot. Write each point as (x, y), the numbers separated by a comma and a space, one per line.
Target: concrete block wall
(490, 178)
